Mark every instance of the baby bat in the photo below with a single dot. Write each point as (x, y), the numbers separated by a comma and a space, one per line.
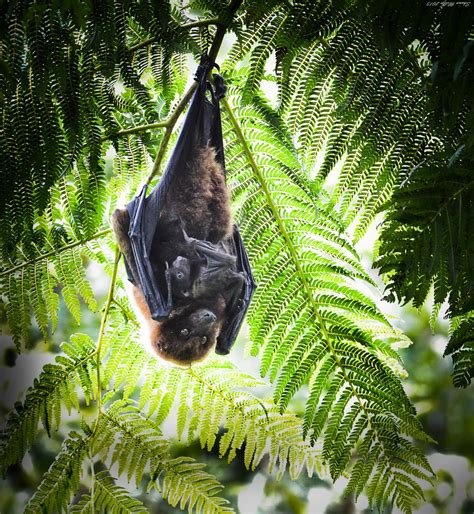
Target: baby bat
(212, 271)
(181, 278)
(200, 205)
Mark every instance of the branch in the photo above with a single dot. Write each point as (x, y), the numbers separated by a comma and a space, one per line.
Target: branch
(224, 21)
(171, 122)
(54, 252)
(136, 130)
(197, 23)
(103, 324)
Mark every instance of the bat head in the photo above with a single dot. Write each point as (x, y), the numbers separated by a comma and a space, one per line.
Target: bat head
(181, 277)
(187, 336)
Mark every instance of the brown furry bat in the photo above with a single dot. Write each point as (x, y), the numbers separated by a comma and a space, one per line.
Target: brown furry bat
(201, 199)
(200, 205)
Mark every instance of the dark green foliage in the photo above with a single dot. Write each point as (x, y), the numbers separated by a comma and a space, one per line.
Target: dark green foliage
(430, 215)
(60, 66)
(437, 215)
(461, 347)
(358, 125)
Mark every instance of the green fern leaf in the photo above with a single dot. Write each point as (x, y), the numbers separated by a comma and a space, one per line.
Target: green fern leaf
(56, 384)
(62, 479)
(108, 497)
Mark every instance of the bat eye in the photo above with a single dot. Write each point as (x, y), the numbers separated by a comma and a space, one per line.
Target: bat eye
(184, 332)
(179, 275)
(204, 340)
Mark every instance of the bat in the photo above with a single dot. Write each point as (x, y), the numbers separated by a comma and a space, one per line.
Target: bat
(190, 274)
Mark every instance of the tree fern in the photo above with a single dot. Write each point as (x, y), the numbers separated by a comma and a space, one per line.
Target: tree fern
(108, 497)
(305, 318)
(62, 479)
(339, 97)
(186, 485)
(446, 46)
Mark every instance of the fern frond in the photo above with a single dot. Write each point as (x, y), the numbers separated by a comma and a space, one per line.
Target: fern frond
(56, 384)
(215, 402)
(436, 215)
(108, 497)
(428, 242)
(187, 485)
(461, 348)
(340, 96)
(30, 284)
(62, 479)
(312, 323)
(123, 357)
(139, 447)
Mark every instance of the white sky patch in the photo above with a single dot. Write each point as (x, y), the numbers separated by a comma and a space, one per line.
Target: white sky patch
(252, 495)
(319, 499)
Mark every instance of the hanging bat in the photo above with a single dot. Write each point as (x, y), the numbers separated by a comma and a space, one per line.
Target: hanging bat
(206, 290)
(190, 275)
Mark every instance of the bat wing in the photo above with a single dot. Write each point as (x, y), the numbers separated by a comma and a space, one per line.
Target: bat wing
(216, 256)
(236, 315)
(141, 234)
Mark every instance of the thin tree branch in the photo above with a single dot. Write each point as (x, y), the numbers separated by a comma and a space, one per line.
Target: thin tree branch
(103, 324)
(136, 130)
(171, 122)
(224, 21)
(185, 26)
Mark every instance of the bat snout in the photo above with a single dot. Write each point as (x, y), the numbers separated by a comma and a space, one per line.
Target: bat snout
(205, 319)
(209, 316)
